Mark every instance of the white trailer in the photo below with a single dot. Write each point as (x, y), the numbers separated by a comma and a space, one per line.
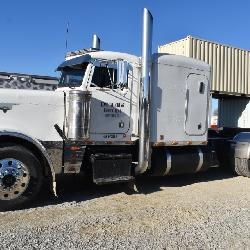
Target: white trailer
(113, 115)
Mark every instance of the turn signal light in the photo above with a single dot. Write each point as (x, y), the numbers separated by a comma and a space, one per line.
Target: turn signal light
(160, 144)
(108, 142)
(74, 148)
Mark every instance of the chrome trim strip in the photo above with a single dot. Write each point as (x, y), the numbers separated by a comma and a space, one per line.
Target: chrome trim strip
(109, 143)
(179, 143)
(200, 164)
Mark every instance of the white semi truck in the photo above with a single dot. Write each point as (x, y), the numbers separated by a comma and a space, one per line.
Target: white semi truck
(113, 115)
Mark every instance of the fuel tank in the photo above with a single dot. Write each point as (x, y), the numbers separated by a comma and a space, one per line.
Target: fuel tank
(181, 160)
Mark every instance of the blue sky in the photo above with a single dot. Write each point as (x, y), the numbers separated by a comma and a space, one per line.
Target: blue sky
(33, 33)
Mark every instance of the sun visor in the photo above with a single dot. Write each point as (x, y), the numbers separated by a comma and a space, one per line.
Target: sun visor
(74, 61)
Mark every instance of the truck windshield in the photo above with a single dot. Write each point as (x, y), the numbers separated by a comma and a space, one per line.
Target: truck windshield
(72, 77)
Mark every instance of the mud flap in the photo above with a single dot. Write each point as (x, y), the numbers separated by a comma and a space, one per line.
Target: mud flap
(111, 168)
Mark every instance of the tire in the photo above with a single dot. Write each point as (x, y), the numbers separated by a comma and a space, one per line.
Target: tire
(242, 167)
(21, 177)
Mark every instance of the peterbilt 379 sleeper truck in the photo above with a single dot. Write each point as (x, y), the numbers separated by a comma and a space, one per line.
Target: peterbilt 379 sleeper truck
(113, 115)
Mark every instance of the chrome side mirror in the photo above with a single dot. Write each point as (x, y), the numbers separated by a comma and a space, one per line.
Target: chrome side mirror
(122, 73)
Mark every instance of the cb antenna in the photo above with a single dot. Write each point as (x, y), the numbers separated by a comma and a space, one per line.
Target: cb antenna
(67, 36)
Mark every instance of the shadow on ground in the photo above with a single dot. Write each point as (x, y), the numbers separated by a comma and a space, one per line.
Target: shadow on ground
(78, 189)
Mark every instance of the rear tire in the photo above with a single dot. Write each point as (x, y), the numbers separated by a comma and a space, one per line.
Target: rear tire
(242, 167)
(20, 177)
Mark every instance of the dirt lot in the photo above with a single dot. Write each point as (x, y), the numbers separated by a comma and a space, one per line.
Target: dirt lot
(203, 211)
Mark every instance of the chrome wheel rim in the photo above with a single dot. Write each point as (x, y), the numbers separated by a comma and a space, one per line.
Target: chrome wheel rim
(14, 178)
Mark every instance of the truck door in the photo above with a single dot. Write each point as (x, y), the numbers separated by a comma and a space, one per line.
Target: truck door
(111, 105)
(196, 112)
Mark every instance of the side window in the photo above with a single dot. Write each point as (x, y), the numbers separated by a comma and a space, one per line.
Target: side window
(105, 77)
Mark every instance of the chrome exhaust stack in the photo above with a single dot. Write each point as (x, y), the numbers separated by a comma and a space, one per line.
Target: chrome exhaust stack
(95, 42)
(144, 145)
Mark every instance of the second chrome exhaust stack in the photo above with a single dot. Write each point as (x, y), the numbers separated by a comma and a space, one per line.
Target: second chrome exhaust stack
(144, 145)
(96, 43)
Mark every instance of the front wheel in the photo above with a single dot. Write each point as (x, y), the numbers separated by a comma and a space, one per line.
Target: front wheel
(20, 176)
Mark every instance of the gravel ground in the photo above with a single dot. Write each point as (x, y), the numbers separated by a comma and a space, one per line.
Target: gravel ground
(203, 211)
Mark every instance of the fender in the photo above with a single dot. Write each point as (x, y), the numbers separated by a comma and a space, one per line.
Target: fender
(36, 143)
